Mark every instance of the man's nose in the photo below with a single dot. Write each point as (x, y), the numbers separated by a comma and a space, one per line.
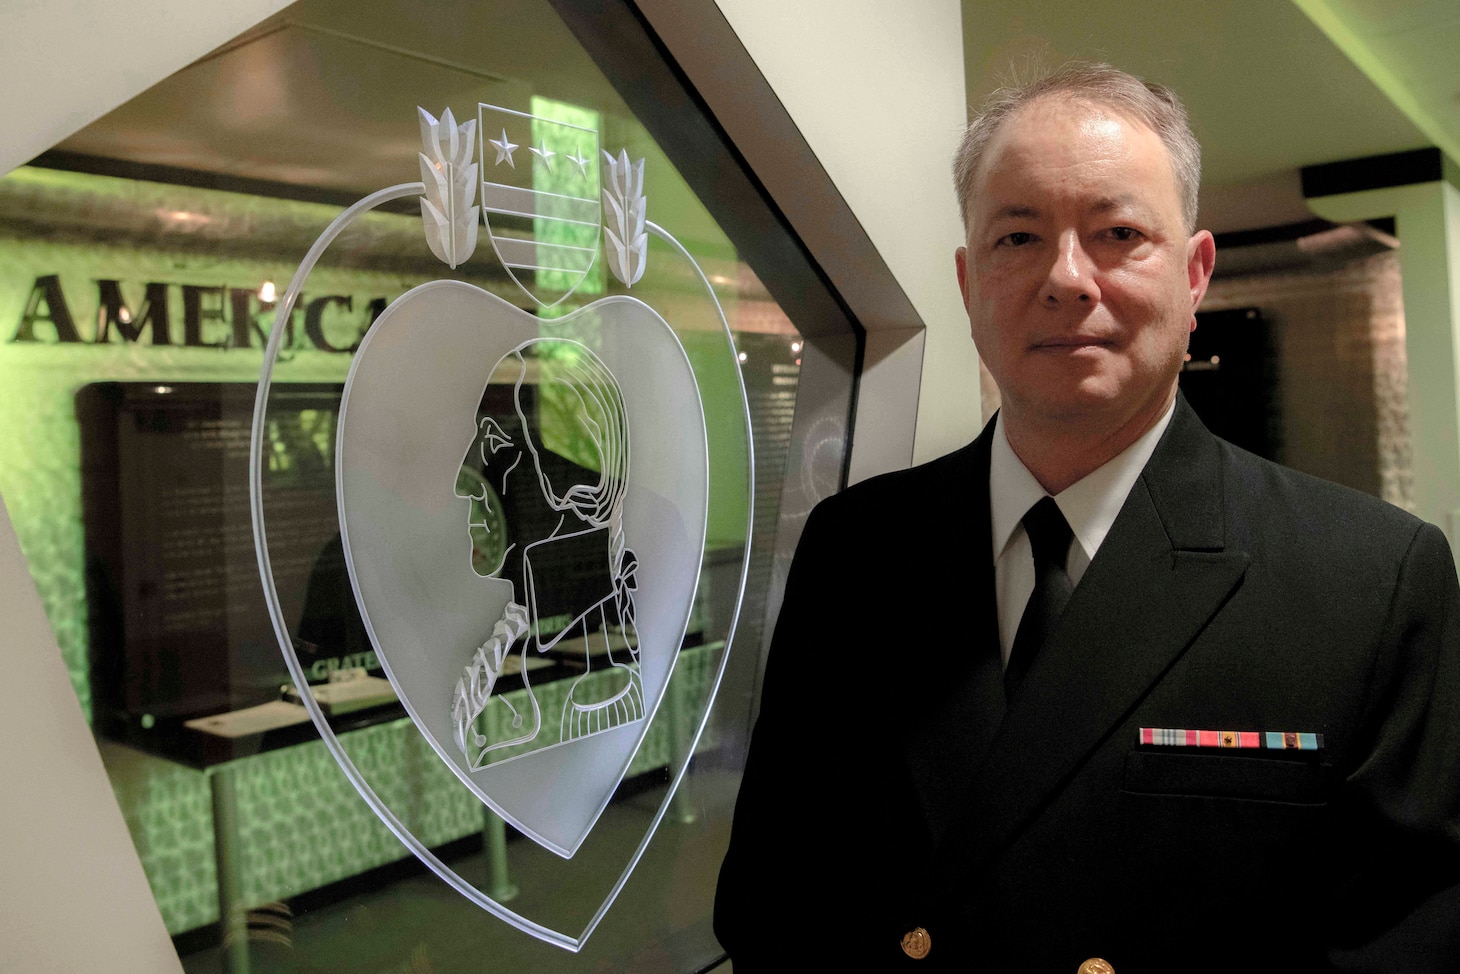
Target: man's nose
(1071, 276)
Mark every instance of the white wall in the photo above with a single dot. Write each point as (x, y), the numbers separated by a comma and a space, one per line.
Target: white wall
(876, 87)
(65, 63)
(72, 893)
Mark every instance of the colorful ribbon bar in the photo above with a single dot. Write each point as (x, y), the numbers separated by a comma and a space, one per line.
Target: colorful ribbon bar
(1269, 740)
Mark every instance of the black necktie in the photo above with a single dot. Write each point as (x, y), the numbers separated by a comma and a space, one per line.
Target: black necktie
(1049, 536)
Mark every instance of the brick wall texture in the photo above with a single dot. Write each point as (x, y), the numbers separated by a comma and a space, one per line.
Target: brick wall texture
(1342, 376)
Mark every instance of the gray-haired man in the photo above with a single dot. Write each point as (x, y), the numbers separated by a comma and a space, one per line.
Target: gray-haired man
(1200, 712)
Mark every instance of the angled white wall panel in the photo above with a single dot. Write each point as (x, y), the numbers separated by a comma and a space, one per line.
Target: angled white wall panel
(67, 62)
(72, 893)
(876, 88)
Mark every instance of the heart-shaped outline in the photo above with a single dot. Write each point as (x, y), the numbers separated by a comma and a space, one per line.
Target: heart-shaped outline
(281, 626)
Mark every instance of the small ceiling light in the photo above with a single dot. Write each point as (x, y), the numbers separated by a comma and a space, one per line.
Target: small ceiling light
(795, 346)
(1216, 360)
(186, 220)
(267, 291)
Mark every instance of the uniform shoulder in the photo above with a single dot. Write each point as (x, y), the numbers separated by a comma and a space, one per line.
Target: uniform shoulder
(919, 487)
(1268, 492)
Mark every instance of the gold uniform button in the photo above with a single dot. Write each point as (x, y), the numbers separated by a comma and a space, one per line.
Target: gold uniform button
(1096, 965)
(916, 943)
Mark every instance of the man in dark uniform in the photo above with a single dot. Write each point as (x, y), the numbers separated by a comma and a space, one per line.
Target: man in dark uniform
(1130, 698)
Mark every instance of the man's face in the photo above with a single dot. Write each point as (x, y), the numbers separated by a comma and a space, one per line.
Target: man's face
(1079, 279)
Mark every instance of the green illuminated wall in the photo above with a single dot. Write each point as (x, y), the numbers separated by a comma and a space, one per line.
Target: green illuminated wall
(39, 456)
(301, 825)
(40, 453)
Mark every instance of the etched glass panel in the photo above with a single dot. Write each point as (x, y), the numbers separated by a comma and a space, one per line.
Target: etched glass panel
(523, 503)
(145, 268)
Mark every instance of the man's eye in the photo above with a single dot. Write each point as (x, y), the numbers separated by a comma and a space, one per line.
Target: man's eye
(1017, 239)
(1125, 233)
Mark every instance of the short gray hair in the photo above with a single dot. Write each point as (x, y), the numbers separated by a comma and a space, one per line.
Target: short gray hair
(1153, 105)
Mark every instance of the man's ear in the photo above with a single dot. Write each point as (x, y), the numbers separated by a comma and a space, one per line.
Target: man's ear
(1201, 259)
(960, 261)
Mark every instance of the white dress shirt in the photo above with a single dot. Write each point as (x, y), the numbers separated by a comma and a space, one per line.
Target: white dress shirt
(1089, 505)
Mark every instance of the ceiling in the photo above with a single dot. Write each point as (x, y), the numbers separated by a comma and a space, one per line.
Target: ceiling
(314, 96)
(1408, 47)
(1268, 91)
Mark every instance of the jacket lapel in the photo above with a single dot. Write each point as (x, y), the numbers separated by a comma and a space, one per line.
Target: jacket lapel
(1160, 576)
(960, 708)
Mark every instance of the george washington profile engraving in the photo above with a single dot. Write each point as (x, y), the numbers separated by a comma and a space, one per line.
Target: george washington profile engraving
(552, 527)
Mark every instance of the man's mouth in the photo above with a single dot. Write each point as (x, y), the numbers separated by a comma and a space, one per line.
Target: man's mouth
(1073, 342)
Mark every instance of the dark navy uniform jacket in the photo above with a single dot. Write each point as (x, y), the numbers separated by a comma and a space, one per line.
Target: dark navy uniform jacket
(887, 789)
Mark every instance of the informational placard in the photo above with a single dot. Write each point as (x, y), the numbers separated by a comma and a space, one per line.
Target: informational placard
(179, 623)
